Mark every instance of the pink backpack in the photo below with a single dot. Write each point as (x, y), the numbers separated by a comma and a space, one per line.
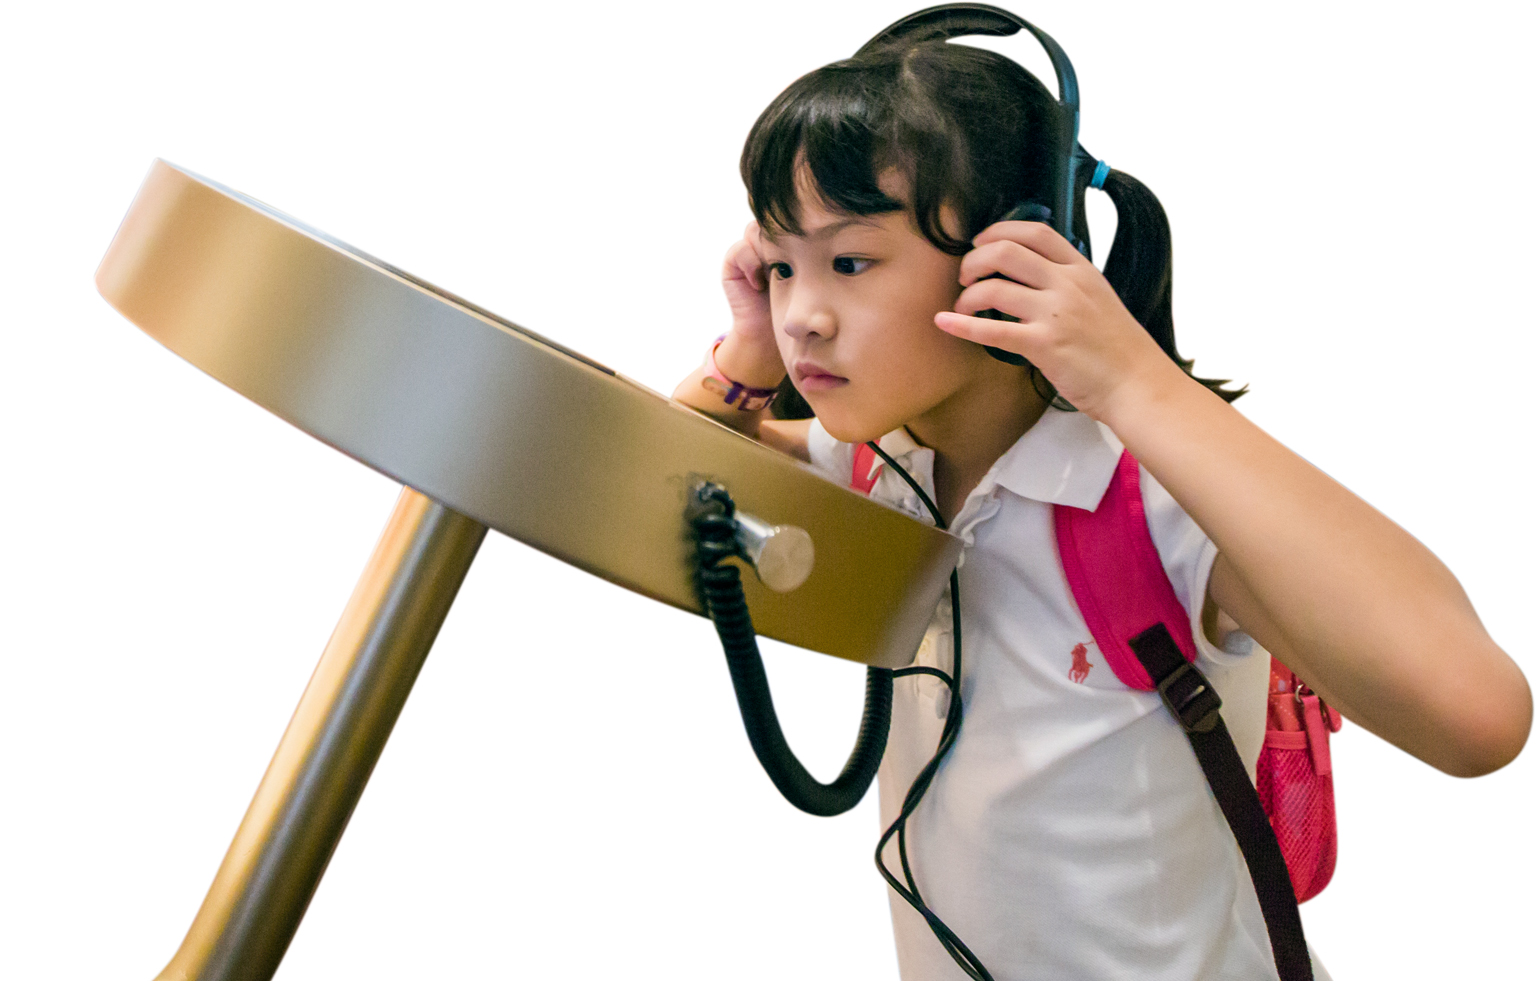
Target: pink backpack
(1285, 827)
(1295, 780)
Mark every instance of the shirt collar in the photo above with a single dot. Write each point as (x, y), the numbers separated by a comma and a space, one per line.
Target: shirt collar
(1064, 458)
(898, 443)
(917, 461)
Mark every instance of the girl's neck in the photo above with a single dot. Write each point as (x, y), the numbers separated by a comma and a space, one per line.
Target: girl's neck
(970, 430)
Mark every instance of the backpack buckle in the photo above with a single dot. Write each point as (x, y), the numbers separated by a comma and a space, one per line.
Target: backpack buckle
(1190, 698)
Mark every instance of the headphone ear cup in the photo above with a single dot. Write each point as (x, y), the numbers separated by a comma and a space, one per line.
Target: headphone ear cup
(1029, 211)
(1007, 357)
(1023, 211)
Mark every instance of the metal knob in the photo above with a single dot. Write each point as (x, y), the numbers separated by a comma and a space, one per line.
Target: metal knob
(783, 555)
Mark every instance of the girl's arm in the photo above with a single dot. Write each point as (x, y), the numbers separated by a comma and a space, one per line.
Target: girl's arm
(749, 354)
(785, 435)
(1352, 603)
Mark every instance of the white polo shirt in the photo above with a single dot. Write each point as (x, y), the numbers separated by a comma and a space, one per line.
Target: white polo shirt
(1070, 834)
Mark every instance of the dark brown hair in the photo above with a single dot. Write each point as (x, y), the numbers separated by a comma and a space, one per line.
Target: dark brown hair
(965, 128)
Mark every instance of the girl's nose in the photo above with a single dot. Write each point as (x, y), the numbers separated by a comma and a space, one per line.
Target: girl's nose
(806, 314)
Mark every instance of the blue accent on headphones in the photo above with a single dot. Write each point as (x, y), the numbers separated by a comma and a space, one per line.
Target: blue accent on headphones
(1100, 173)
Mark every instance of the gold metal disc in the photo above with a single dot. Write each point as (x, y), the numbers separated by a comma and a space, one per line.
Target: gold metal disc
(495, 422)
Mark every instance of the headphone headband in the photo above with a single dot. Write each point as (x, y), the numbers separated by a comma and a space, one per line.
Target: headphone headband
(952, 20)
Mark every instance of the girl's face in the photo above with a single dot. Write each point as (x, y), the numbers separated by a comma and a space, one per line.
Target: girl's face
(853, 301)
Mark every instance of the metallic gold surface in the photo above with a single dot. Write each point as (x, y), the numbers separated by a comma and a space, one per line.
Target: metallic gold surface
(497, 423)
(332, 743)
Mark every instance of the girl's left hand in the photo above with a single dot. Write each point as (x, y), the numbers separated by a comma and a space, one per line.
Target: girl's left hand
(1071, 325)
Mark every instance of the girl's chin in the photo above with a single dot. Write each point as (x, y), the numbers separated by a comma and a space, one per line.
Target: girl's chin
(846, 430)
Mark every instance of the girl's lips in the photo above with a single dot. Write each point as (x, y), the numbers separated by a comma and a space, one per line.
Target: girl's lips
(811, 377)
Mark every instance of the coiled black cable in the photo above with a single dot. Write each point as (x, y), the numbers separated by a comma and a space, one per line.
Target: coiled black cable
(719, 583)
(713, 519)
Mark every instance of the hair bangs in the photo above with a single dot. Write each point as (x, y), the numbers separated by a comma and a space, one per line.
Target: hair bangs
(821, 137)
(947, 119)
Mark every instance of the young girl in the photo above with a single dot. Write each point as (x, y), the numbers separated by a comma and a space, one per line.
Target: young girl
(1070, 832)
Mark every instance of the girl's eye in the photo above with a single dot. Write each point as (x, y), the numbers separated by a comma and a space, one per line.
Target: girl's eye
(847, 265)
(780, 270)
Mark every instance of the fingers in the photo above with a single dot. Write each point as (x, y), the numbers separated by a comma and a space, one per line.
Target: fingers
(1005, 257)
(1035, 236)
(745, 282)
(1022, 302)
(752, 237)
(743, 261)
(1024, 269)
(993, 333)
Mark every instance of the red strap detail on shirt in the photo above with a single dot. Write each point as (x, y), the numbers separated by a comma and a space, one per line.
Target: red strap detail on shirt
(1116, 576)
(866, 469)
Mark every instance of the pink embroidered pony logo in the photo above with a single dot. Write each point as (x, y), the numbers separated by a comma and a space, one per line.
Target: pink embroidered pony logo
(1080, 665)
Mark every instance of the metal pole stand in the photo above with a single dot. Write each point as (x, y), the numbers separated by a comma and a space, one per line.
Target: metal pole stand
(331, 745)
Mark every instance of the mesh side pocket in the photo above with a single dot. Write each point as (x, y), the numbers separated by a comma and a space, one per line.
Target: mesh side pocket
(1299, 803)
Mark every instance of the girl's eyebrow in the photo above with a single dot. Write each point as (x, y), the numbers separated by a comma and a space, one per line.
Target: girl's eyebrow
(832, 228)
(825, 231)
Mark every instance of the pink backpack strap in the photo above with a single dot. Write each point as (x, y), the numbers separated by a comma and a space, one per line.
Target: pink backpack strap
(1144, 633)
(866, 469)
(1116, 575)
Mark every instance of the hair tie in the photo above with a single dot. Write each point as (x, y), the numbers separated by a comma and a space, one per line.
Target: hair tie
(1099, 174)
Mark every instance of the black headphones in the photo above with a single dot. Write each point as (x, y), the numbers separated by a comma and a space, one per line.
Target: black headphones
(952, 20)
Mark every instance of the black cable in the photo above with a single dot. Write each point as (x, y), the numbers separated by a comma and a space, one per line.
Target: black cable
(719, 583)
(951, 942)
(713, 519)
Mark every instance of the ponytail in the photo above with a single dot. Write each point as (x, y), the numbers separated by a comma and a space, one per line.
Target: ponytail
(1140, 265)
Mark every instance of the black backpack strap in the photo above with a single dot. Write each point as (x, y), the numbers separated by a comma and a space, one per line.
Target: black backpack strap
(1192, 700)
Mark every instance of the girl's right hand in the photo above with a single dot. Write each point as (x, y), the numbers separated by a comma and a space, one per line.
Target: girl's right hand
(746, 290)
(748, 354)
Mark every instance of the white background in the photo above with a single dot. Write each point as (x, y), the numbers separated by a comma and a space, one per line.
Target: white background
(569, 789)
